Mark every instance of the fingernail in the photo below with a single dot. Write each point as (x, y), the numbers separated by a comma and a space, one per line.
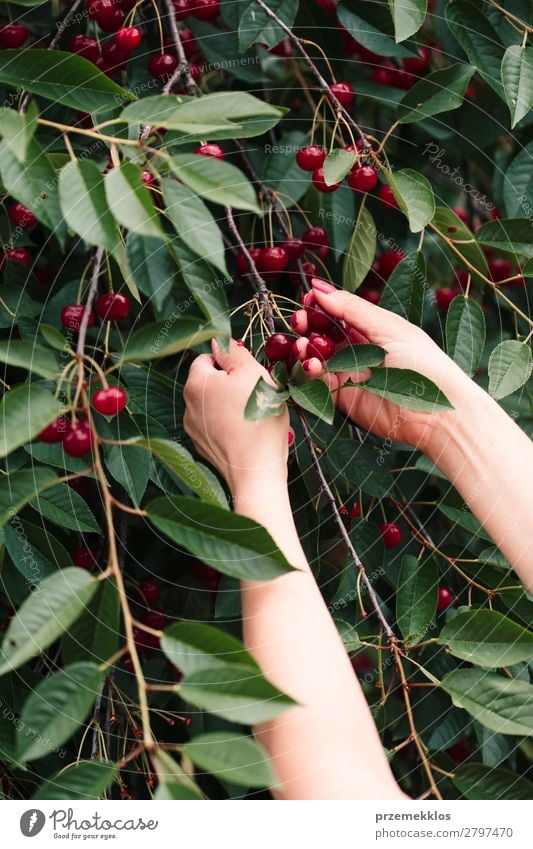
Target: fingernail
(322, 286)
(215, 347)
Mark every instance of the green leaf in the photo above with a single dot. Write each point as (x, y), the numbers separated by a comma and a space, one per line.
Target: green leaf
(405, 288)
(408, 17)
(232, 757)
(233, 544)
(82, 780)
(464, 519)
(95, 635)
(337, 165)
(18, 129)
(502, 704)
(56, 708)
(19, 488)
(356, 358)
(407, 389)
(237, 693)
(371, 29)
(128, 463)
(24, 412)
(84, 205)
(440, 91)
(476, 781)
(28, 355)
(487, 638)
(207, 290)
(192, 646)
(215, 180)
(265, 401)
(451, 227)
(508, 234)
(348, 635)
(130, 202)
(66, 508)
(194, 223)
(220, 49)
(510, 366)
(180, 461)
(416, 597)
(157, 339)
(361, 251)
(61, 77)
(45, 615)
(34, 550)
(517, 78)
(256, 26)
(53, 337)
(172, 776)
(151, 267)
(465, 333)
(478, 38)
(360, 465)
(415, 197)
(314, 396)
(518, 186)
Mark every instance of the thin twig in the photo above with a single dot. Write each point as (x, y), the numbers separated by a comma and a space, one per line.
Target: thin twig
(263, 295)
(184, 68)
(93, 286)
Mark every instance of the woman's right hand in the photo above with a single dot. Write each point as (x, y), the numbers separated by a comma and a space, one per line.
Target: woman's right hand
(408, 347)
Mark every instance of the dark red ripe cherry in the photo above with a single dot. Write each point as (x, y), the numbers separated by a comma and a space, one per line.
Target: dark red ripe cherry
(416, 66)
(388, 261)
(311, 157)
(72, 314)
(243, 266)
(205, 10)
(84, 46)
(112, 307)
(272, 260)
(147, 177)
(316, 237)
(499, 269)
(356, 510)
(343, 92)
(162, 65)
(444, 297)
(294, 248)
(21, 216)
(381, 76)
(386, 195)
(320, 184)
(182, 9)
(373, 296)
(445, 598)
(150, 591)
(461, 213)
(189, 43)
(78, 440)
(278, 347)
(213, 150)
(85, 558)
(284, 48)
(19, 255)
(110, 401)
(319, 321)
(13, 35)
(363, 179)
(55, 432)
(128, 38)
(391, 534)
(320, 346)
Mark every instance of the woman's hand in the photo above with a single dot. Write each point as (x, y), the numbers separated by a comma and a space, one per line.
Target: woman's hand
(408, 347)
(216, 393)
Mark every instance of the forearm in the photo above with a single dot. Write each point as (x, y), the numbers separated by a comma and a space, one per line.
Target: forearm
(328, 747)
(489, 460)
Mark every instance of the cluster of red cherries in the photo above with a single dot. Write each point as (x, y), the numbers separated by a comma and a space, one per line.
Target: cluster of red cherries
(363, 176)
(272, 260)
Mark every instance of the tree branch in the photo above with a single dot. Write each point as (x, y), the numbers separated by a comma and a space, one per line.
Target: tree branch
(184, 68)
(263, 295)
(93, 286)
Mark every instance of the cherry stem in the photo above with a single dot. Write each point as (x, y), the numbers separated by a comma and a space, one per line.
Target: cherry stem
(93, 286)
(263, 295)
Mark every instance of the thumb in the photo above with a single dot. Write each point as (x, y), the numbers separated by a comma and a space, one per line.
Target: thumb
(237, 356)
(370, 320)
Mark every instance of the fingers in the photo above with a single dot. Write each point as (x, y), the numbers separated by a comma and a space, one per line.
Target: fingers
(368, 319)
(236, 357)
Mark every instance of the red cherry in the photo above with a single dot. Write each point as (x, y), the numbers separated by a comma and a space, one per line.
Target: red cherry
(81, 486)
(162, 65)
(213, 150)
(386, 195)
(205, 10)
(79, 439)
(381, 76)
(84, 46)
(54, 432)
(278, 347)
(320, 346)
(363, 178)
(299, 349)
(21, 216)
(445, 598)
(461, 213)
(147, 177)
(206, 574)
(460, 751)
(444, 297)
(300, 322)
(294, 248)
(85, 558)
(100, 9)
(272, 260)
(150, 591)
(500, 269)
(373, 296)
(356, 511)
(182, 9)
(311, 157)
(110, 401)
(329, 6)
(19, 255)
(128, 38)
(343, 92)
(319, 321)
(72, 314)
(284, 48)
(242, 262)
(388, 261)
(391, 534)
(317, 237)
(320, 184)
(190, 47)
(13, 35)
(416, 66)
(401, 79)
(115, 56)
(495, 214)
(112, 307)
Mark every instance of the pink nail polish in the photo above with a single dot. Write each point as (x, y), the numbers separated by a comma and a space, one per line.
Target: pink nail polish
(322, 286)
